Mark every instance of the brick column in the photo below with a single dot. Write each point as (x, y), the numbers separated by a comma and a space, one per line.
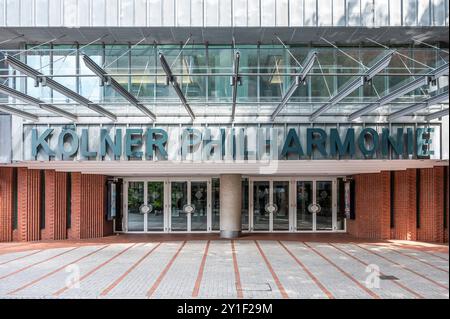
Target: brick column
(405, 226)
(28, 204)
(372, 206)
(6, 204)
(88, 207)
(446, 195)
(55, 205)
(431, 227)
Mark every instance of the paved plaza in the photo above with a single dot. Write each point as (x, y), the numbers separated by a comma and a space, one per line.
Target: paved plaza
(213, 268)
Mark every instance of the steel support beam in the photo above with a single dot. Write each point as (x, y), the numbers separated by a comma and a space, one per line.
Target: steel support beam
(299, 79)
(234, 82)
(173, 81)
(436, 115)
(352, 86)
(109, 80)
(40, 78)
(409, 87)
(419, 106)
(13, 111)
(36, 102)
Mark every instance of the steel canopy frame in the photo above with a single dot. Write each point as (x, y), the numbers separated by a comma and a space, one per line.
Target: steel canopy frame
(234, 82)
(438, 98)
(411, 86)
(20, 113)
(33, 101)
(47, 81)
(299, 79)
(436, 115)
(172, 80)
(109, 80)
(377, 67)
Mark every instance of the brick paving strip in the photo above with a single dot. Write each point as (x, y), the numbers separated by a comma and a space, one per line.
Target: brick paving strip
(418, 259)
(37, 263)
(237, 275)
(128, 271)
(200, 272)
(158, 281)
(62, 290)
(310, 274)
(11, 246)
(366, 264)
(20, 257)
(403, 267)
(54, 271)
(272, 272)
(346, 274)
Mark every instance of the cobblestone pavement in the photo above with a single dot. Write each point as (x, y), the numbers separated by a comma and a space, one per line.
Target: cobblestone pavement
(259, 268)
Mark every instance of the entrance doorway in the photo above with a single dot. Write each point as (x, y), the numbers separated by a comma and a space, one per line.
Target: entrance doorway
(190, 203)
(271, 205)
(296, 205)
(167, 205)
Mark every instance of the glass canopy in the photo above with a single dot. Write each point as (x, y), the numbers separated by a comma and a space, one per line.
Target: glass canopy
(203, 73)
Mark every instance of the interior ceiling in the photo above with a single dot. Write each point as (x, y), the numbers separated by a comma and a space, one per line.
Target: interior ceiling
(224, 35)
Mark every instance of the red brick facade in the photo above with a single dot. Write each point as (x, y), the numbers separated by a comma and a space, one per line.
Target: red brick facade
(405, 225)
(431, 226)
(55, 205)
(372, 220)
(88, 199)
(373, 206)
(6, 204)
(28, 199)
(87, 206)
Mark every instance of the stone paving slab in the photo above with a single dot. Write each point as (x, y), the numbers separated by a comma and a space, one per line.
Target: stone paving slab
(362, 273)
(338, 285)
(411, 280)
(260, 268)
(218, 279)
(256, 280)
(439, 275)
(295, 280)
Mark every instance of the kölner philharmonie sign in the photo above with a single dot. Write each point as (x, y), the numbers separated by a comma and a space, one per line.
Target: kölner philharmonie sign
(222, 143)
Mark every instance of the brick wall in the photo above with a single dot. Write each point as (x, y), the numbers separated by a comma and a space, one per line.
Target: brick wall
(372, 220)
(405, 226)
(447, 172)
(6, 204)
(431, 226)
(55, 205)
(373, 205)
(28, 198)
(88, 207)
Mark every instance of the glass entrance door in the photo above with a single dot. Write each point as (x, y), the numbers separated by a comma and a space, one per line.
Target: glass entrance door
(155, 203)
(261, 200)
(324, 200)
(280, 191)
(145, 206)
(271, 205)
(190, 207)
(315, 205)
(136, 200)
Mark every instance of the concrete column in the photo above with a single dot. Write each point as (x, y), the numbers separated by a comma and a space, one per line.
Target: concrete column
(230, 205)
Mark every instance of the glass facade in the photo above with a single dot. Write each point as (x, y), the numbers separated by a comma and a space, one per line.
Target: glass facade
(224, 13)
